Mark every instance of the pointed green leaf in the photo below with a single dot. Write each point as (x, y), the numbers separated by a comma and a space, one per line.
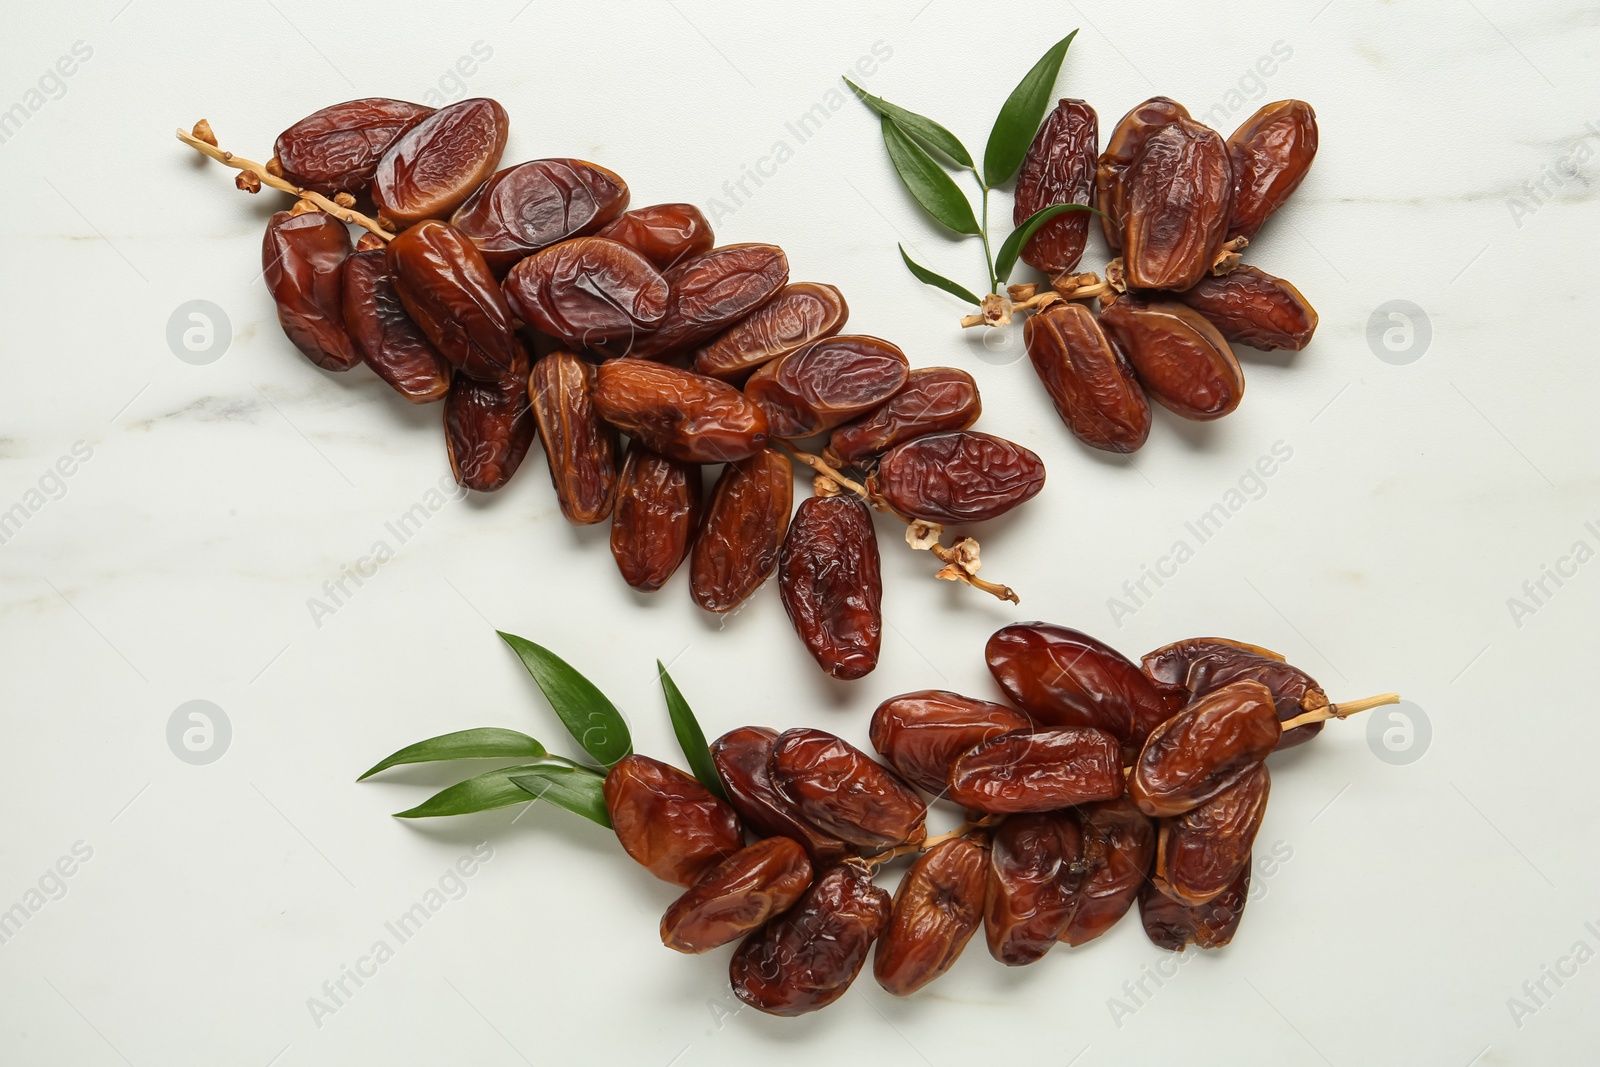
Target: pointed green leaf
(1019, 119)
(482, 792)
(927, 277)
(592, 720)
(690, 737)
(920, 128)
(487, 742)
(577, 789)
(934, 189)
(1005, 260)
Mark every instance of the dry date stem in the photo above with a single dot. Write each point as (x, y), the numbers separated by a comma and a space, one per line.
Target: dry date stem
(202, 140)
(998, 309)
(1341, 711)
(916, 848)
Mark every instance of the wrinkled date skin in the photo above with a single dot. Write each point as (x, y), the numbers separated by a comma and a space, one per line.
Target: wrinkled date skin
(933, 400)
(587, 291)
(1119, 845)
(1126, 143)
(1042, 770)
(1059, 169)
(1034, 874)
(958, 477)
(337, 149)
(669, 822)
(1172, 925)
(831, 583)
(390, 343)
(1204, 749)
(1251, 307)
(435, 165)
(710, 293)
(827, 383)
(937, 909)
(1179, 357)
(581, 447)
(448, 291)
(303, 259)
(844, 792)
(665, 234)
(1201, 665)
(1201, 851)
(738, 546)
(488, 427)
(922, 734)
(801, 313)
(536, 204)
(659, 506)
(807, 957)
(1175, 203)
(678, 413)
(1088, 379)
(744, 764)
(1270, 153)
(737, 896)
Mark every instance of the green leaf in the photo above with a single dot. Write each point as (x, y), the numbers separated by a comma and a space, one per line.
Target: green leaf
(578, 789)
(482, 792)
(487, 742)
(1019, 119)
(591, 719)
(927, 277)
(1005, 260)
(926, 132)
(934, 189)
(690, 737)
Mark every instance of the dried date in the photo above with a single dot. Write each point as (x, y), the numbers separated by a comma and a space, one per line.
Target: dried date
(667, 821)
(827, 383)
(801, 313)
(665, 234)
(1270, 153)
(922, 734)
(1126, 143)
(1179, 357)
(302, 258)
(1059, 169)
(1172, 925)
(1201, 665)
(488, 427)
(831, 583)
(1034, 874)
(737, 896)
(587, 291)
(390, 343)
(1251, 307)
(680, 414)
(534, 205)
(845, 793)
(337, 148)
(738, 547)
(1089, 380)
(743, 758)
(659, 506)
(1119, 845)
(958, 477)
(1204, 749)
(448, 291)
(1175, 206)
(430, 169)
(1201, 852)
(933, 400)
(710, 293)
(1039, 770)
(937, 908)
(581, 447)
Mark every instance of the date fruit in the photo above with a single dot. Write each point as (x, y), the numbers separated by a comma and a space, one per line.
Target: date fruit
(1059, 169)
(1041, 770)
(710, 293)
(534, 205)
(1172, 925)
(1251, 307)
(1201, 851)
(667, 821)
(581, 447)
(1088, 379)
(933, 400)
(390, 343)
(937, 908)
(743, 758)
(658, 511)
(738, 546)
(737, 896)
(665, 234)
(801, 313)
(844, 792)
(678, 413)
(1179, 357)
(831, 583)
(1270, 153)
(1201, 665)
(587, 291)
(488, 427)
(303, 259)
(430, 169)
(448, 291)
(958, 477)
(827, 383)
(1034, 874)
(1126, 143)
(1204, 749)
(1119, 844)
(922, 734)
(1175, 206)
(337, 148)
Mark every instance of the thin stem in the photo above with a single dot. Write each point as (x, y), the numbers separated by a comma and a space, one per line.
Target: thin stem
(1340, 711)
(931, 843)
(988, 254)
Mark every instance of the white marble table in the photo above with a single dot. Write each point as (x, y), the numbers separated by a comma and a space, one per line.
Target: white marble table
(1430, 525)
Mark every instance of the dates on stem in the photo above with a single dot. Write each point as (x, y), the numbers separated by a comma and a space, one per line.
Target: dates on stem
(678, 413)
(430, 169)
(844, 792)
(958, 477)
(801, 313)
(587, 291)
(303, 259)
(390, 343)
(937, 909)
(1040, 770)
(933, 400)
(827, 383)
(488, 427)
(581, 447)
(667, 821)
(738, 546)
(1172, 925)
(1252, 307)
(743, 758)
(665, 234)
(1034, 874)
(1179, 357)
(1204, 749)
(448, 291)
(534, 205)
(922, 734)
(737, 896)
(1175, 206)
(831, 583)
(1089, 381)
(710, 293)
(657, 514)
(1201, 851)
(1119, 844)
(1270, 153)
(1059, 169)
(337, 148)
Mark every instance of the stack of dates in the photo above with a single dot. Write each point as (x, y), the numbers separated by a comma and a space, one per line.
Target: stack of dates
(1177, 203)
(531, 300)
(1102, 783)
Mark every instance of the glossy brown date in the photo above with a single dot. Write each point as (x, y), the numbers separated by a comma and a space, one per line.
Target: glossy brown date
(737, 896)
(738, 546)
(678, 413)
(667, 821)
(831, 583)
(1089, 381)
(581, 447)
(743, 758)
(337, 148)
(827, 383)
(390, 343)
(710, 293)
(665, 234)
(448, 291)
(801, 313)
(958, 477)
(1034, 874)
(534, 205)
(1251, 307)
(922, 734)
(302, 259)
(806, 958)
(1201, 852)
(933, 400)
(1178, 356)
(1039, 770)
(1270, 153)
(1127, 142)
(1204, 749)
(1172, 925)
(428, 171)
(1059, 169)
(845, 793)
(587, 291)
(1175, 206)
(1202, 665)
(488, 427)
(937, 908)
(1119, 845)
(660, 503)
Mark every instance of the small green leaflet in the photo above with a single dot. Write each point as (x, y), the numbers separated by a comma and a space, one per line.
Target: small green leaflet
(577, 789)
(690, 737)
(919, 128)
(927, 277)
(934, 189)
(482, 792)
(1019, 119)
(592, 720)
(489, 742)
(1005, 260)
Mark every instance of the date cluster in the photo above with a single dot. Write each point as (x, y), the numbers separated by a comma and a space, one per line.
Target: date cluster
(533, 302)
(1178, 203)
(1101, 784)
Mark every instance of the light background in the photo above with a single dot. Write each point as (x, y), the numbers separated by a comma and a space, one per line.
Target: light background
(1457, 172)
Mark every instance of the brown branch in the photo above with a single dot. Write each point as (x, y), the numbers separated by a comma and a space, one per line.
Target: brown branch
(1340, 711)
